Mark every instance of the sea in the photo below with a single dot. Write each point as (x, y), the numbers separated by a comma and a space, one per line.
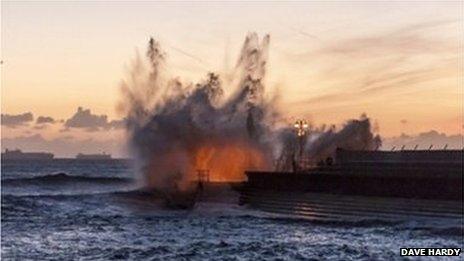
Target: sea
(67, 209)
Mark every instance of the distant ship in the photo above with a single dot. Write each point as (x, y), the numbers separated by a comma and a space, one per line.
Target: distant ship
(101, 156)
(19, 155)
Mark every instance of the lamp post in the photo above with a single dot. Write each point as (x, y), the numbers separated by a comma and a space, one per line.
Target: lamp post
(301, 127)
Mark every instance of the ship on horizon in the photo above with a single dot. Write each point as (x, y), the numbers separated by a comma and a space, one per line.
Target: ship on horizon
(101, 156)
(19, 155)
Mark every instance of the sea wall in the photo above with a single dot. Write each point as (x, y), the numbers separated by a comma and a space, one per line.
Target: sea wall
(367, 184)
(405, 174)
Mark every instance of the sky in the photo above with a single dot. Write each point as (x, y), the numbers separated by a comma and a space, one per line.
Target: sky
(398, 62)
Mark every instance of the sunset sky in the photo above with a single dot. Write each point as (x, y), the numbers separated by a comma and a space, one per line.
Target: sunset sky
(400, 63)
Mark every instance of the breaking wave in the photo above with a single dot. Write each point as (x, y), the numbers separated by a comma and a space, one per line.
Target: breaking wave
(128, 193)
(63, 184)
(63, 178)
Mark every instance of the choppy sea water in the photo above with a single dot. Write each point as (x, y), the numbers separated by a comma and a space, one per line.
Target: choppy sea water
(84, 210)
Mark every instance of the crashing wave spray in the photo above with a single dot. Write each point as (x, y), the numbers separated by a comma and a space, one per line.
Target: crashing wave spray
(177, 128)
(321, 143)
(356, 134)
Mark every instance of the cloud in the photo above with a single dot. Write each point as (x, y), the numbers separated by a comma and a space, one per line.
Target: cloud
(16, 120)
(391, 62)
(40, 126)
(66, 146)
(407, 40)
(84, 119)
(44, 119)
(424, 140)
(117, 124)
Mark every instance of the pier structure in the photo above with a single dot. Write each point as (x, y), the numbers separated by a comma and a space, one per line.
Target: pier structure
(365, 184)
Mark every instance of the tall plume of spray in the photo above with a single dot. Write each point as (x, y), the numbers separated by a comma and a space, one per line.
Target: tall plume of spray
(176, 128)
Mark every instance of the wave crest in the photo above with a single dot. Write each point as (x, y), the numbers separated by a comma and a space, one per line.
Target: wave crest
(64, 177)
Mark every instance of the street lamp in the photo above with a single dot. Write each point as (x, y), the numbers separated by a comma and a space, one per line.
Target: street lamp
(301, 127)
